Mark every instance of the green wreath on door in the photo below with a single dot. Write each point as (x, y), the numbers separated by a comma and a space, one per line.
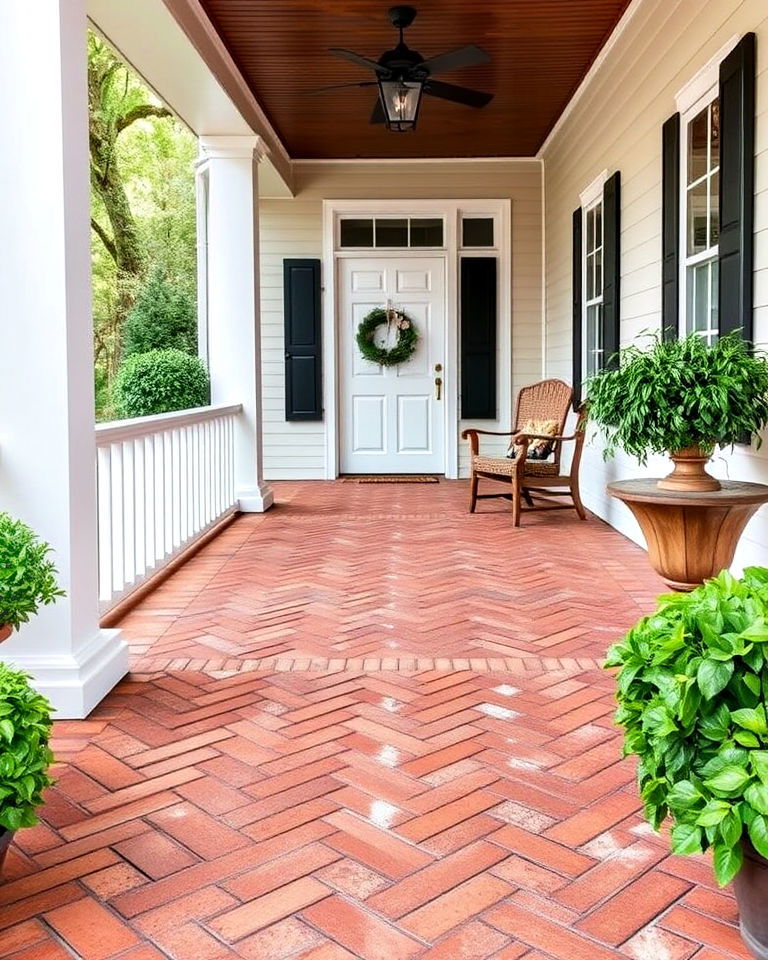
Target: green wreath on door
(407, 337)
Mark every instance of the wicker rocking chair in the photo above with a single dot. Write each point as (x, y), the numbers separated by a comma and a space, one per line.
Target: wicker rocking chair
(543, 479)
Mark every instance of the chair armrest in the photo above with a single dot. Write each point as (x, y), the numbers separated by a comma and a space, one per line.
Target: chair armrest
(473, 435)
(545, 436)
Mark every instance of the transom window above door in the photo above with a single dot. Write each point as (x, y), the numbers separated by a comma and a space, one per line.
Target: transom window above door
(700, 219)
(389, 232)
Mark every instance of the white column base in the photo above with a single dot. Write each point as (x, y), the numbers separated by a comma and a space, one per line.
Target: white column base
(76, 684)
(256, 499)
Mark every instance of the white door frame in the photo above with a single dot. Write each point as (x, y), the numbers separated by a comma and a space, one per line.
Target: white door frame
(451, 211)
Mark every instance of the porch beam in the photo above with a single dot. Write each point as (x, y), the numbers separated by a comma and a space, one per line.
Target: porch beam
(47, 471)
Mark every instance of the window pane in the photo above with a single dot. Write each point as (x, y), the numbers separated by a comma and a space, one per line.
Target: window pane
(426, 233)
(599, 272)
(599, 225)
(356, 233)
(590, 230)
(391, 233)
(714, 160)
(697, 218)
(590, 271)
(714, 310)
(697, 146)
(714, 209)
(477, 231)
(702, 296)
(594, 339)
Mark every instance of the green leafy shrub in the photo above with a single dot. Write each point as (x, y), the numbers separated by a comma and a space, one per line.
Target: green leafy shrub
(25, 728)
(160, 381)
(27, 576)
(163, 316)
(681, 393)
(692, 689)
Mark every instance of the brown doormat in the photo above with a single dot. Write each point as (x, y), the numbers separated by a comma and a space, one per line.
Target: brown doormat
(392, 478)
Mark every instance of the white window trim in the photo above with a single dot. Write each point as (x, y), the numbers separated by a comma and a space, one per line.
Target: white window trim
(483, 215)
(591, 194)
(699, 88)
(589, 198)
(389, 216)
(706, 83)
(596, 301)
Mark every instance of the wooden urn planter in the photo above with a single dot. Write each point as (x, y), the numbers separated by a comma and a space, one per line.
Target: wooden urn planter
(691, 535)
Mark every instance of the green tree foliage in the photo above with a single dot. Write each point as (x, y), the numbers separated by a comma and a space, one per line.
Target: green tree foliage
(160, 381)
(162, 316)
(142, 203)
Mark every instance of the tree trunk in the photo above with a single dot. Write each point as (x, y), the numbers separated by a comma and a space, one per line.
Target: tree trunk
(113, 106)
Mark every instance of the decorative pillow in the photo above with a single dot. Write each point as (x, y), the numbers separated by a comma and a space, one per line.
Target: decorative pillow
(537, 449)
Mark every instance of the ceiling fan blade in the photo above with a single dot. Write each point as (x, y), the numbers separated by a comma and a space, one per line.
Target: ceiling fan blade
(358, 59)
(377, 114)
(341, 86)
(449, 91)
(469, 56)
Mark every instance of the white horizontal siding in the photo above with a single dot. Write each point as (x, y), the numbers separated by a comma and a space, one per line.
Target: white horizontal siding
(288, 228)
(616, 125)
(293, 228)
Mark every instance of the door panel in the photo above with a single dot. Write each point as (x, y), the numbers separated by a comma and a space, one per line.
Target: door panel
(391, 420)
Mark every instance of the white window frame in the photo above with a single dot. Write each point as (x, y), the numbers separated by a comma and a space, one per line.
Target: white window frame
(591, 198)
(697, 94)
(478, 215)
(388, 216)
(710, 254)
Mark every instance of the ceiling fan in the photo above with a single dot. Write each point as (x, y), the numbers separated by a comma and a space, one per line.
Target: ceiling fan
(403, 75)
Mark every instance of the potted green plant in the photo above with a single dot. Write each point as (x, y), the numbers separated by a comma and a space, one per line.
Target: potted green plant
(692, 686)
(25, 728)
(27, 575)
(682, 397)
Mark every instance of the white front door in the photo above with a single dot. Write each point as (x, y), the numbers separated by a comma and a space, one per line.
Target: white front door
(392, 420)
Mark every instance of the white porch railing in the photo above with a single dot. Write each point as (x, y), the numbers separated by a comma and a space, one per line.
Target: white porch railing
(162, 483)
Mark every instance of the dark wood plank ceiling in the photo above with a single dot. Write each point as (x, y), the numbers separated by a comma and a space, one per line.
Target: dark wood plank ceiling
(540, 50)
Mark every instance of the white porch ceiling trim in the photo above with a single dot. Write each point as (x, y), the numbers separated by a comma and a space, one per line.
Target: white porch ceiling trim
(413, 160)
(627, 17)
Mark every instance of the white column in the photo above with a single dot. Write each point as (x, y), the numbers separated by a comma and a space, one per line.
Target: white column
(47, 440)
(229, 165)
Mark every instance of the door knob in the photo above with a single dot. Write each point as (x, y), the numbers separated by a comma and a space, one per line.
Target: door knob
(438, 385)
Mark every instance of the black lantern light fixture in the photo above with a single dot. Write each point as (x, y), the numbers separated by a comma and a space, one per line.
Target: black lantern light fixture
(401, 86)
(400, 101)
(403, 76)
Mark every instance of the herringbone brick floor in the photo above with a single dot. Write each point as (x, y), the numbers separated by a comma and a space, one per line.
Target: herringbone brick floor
(365, 726)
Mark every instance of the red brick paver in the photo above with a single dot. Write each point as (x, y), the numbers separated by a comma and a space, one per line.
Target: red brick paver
(462, 797)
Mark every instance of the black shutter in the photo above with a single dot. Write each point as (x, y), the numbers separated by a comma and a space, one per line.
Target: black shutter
(576, 294)
(303, 372)
(478, 338)
(737, 164)
(670, 228)
(611, 269)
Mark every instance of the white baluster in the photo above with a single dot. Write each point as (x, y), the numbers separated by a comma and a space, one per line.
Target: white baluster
(118, 519)
(104, 494)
